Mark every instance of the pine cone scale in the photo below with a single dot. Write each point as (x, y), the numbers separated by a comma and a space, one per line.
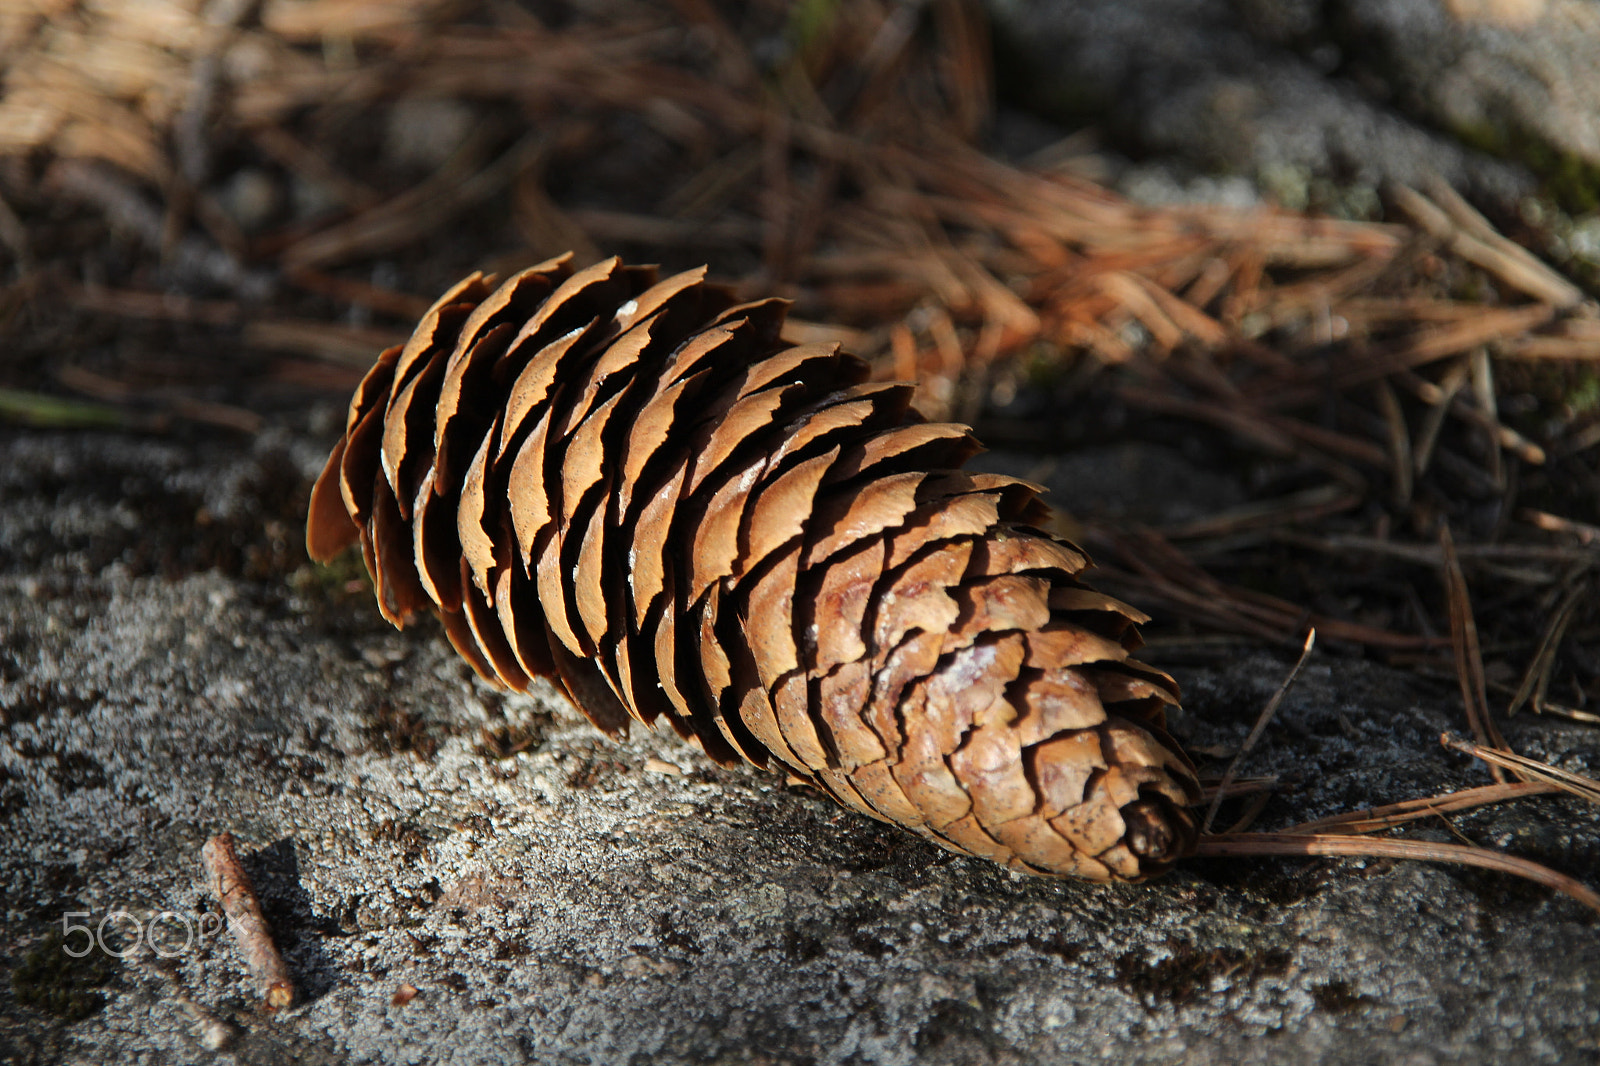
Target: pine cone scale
(554, 584)
(647, 558)
(666, 662)
(400, 592)
(522, 621)
(838, 606)
(780, 513)
(915, 597)
(713, 535)
(757, 712)
(474, 503)
(490, 636)
(823, 423)
(894, 673)
(531, 390)
(329, 529)
(791, 701)
(841, 518)
(768, 617)
(841, 695)
(360, 464)
(405, 420)
(878, 788)
(597, 605)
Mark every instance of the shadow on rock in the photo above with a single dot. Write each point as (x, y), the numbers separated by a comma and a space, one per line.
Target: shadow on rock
(296, 927)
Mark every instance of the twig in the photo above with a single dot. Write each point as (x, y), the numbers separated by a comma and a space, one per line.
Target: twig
(1576, 349)
(1255, 733)
(1572, 714)
(284, 148)
(213, 1032)
(1444, 401)
(1161, 572)
(1252, 811)
(1428, 346)
(1296, 508)
(647, 229)
(1429, 555)
(348, 290)
(157, 306)
(1483, 386)
(231, 885)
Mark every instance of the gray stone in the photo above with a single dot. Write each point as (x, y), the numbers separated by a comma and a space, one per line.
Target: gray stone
(169, 669)
(1511, 70)
(1293, 93)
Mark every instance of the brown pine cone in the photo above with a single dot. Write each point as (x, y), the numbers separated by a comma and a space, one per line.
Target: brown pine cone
(637, 489)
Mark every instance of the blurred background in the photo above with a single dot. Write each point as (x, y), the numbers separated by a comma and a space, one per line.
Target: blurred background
(1290, 304)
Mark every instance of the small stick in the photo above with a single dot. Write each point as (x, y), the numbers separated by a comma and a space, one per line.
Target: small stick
(1255, 733)
(1345, 846)
(233, 890)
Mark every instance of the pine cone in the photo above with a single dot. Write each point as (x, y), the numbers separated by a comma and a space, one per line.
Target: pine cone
(637, 489)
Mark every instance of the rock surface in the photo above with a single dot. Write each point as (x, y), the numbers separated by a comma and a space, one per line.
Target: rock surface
(171, 668)
(1357, 92)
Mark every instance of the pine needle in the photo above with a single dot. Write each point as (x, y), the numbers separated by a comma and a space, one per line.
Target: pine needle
(1468, 655)
(1341, 845)
(1255, 733)
(1373, 819)
(56, 412)
(1537, 679)
(1565, 780)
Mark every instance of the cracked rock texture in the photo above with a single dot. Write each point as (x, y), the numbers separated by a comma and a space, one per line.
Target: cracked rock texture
(170, 667)
(1356, 91)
